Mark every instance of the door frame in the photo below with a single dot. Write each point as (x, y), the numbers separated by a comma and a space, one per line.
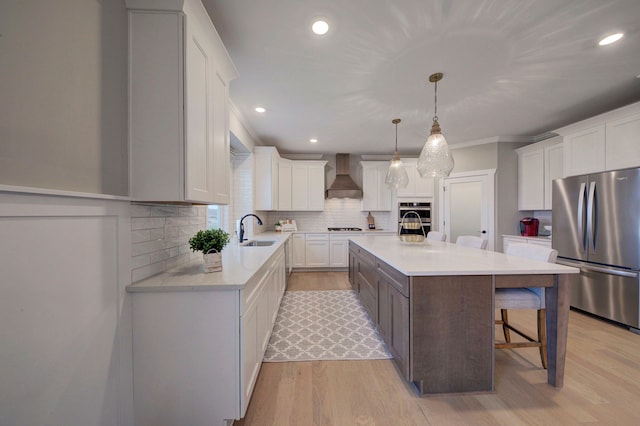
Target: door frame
(486, 177)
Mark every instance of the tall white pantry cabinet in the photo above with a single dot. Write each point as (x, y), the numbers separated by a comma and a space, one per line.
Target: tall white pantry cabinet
(179, 74)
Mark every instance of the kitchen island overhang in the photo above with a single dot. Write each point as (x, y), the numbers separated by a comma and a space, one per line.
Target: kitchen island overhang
(442, 295)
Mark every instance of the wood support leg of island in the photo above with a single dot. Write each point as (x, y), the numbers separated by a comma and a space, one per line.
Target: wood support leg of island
(557, 302)
(452, 334)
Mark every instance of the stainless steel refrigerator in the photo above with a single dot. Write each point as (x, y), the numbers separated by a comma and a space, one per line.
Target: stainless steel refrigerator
(596, 227)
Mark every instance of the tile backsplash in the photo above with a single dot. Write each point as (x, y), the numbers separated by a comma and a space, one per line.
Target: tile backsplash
(338, 212)
(160, 236)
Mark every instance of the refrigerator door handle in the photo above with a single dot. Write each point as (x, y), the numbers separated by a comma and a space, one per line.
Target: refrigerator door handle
(580, 216)
(601, 269)
(591, 238)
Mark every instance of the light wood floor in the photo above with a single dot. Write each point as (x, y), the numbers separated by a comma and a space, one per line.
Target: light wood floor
(602, 383)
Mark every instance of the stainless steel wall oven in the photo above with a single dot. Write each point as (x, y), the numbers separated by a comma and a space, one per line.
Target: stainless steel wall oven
(423, 209)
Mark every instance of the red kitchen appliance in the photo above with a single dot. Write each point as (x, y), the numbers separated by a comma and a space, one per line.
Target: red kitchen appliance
(529, 227)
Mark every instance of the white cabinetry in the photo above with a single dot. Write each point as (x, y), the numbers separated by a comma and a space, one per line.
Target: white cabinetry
(317, 250)
(260, 305)
(584, 151)
(285, 168)
(509, 239)
(418, 186)
(538, 165)
(307, 185)
(266, 182)
(179, 73)
(197, 354)
(553, 169)
(298, 251)
(338, 251)
(375, 194)
(605, 142)
(622, 144)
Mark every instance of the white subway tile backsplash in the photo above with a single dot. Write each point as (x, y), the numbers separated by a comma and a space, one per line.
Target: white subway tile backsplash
(160, 237)
(141, 235)
(338, 212)
(147, 223)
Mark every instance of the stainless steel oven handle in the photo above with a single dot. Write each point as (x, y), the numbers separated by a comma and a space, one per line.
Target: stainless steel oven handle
(600, 269)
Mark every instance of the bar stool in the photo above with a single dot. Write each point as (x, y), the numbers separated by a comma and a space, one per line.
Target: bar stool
(472, 241)
(525, 298)
(436, 236)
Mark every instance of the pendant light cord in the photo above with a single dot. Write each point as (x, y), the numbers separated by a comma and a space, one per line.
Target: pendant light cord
(396, 121)
(435, 102)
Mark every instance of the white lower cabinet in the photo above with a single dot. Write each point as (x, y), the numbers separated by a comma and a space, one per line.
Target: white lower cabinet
(339, 251)
(509, 239)
(324, 249)
(298, 251)
(317, 250)
(197, 354)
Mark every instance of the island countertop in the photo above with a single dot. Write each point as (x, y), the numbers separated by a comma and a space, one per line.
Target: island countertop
(432, 258)
(239, 264)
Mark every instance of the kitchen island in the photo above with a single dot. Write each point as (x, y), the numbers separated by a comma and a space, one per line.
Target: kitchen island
(199, 339)
(433, 305)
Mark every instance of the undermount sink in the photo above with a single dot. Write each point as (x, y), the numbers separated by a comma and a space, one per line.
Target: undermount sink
(256, 243)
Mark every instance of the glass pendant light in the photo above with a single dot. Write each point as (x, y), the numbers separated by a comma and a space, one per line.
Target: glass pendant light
(435, 159)
(397, 176)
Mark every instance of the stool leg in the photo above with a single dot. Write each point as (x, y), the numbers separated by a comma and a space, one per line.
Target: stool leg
(542, 336)
(505, 321)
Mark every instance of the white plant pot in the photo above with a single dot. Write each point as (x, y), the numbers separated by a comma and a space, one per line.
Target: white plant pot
(212, 262)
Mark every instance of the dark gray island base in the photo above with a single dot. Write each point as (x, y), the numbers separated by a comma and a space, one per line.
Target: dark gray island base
(440, 328)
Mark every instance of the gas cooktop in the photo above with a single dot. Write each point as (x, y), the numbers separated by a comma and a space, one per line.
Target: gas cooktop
(344, 229)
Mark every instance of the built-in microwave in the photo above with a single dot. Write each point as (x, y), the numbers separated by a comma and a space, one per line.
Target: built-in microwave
(422, 209)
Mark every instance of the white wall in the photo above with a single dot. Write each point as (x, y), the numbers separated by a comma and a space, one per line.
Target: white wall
(65, 320)
(63, 114)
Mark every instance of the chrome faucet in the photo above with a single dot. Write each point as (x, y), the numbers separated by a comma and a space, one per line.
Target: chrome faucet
(241, 236)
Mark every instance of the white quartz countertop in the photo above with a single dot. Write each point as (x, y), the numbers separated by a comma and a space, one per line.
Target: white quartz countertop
(239, 264)
(440, 258)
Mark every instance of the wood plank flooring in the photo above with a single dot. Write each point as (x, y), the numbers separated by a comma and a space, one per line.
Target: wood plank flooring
(602, 383)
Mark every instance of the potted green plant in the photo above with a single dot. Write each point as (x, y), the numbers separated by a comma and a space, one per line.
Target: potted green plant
(210, 242)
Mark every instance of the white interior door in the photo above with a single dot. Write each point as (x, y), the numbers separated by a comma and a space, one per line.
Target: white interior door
(467, 205)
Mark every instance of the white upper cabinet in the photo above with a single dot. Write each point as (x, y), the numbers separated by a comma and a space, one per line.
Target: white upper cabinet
(266, 179)
(531, 180)
(584, 151)
(608, 141)
(623, 143)
(301, 185)
(179, 74)
(553, 169)
(418, 186)
(538, 165)
(285, 168)
(375, 194)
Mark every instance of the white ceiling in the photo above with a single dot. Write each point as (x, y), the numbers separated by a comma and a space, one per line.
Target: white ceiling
(511, 68)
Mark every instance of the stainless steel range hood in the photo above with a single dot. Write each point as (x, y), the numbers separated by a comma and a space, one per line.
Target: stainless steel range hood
(343, 186)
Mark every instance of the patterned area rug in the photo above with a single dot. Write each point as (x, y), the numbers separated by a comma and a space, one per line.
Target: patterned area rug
(323, 325)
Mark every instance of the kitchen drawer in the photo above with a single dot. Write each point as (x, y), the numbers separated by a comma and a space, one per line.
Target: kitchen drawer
(394, 277)
(369, 299)
(317, 237)
(366, 257)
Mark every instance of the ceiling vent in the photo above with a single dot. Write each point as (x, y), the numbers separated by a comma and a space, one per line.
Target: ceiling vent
(343, 186)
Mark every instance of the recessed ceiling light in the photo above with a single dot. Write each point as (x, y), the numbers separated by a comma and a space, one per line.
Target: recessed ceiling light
(260, 110)
(320, 27)
(314, 140)
(610, 39)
